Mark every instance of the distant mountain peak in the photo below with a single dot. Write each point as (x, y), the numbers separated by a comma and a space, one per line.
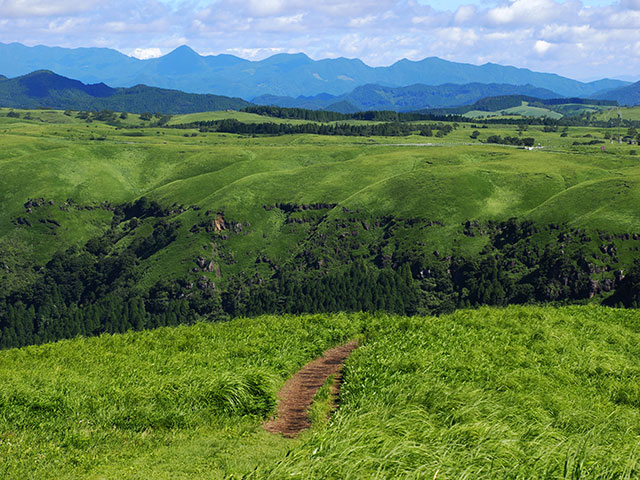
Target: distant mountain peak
(287, 58)
(181, 61)
(299, 55)
(182, 50)
(41, 83)
(42, 73)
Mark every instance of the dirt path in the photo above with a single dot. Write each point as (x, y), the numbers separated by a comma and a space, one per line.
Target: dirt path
(296, 396)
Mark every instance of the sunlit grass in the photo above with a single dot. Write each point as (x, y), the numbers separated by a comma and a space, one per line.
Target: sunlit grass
(522, 392)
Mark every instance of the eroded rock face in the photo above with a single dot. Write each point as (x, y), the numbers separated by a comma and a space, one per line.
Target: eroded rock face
(206, 265)
(219, 223)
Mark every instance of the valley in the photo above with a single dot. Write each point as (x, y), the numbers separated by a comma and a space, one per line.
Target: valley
(183, 223)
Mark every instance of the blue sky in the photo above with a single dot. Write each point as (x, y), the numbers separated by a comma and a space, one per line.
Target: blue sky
(581, 39)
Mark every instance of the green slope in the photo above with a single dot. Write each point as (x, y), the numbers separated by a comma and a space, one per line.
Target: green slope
(526, 106)
(127, 404)
(493, 393)
(516, 393)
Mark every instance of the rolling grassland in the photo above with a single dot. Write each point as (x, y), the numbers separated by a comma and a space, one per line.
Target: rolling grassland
(456, 180)
(137, 241)
(513, 393)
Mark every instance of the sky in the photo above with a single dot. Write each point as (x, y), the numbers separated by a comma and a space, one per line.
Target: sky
(584, 40)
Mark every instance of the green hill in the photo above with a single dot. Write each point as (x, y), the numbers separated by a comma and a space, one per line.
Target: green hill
(522, 392)
(526, 106)
(45, 89)
(626, 113)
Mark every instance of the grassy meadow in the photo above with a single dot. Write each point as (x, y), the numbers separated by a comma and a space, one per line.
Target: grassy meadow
(521, 392)
(626, 113)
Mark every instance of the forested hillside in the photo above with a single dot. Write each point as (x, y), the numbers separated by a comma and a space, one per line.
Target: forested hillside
(626, 95)
(45, 89)
(405, 98)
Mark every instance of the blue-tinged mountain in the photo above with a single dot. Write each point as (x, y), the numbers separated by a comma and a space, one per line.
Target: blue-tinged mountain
(281, 75)
(405, 99)
(90, 65)
(628, 95)
(47, 89)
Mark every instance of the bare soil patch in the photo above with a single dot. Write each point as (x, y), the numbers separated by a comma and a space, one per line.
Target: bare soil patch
(296, 396)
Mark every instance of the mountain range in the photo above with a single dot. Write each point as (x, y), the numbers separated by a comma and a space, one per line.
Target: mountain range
(405, 99)
(289, 75)
(627, 95)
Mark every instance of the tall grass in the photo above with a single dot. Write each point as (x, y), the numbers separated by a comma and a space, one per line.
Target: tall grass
(515, 393)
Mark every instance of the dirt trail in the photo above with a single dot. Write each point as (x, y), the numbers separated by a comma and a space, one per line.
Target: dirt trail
(296, 396)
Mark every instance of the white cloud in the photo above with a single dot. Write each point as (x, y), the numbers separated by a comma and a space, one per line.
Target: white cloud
(541, 47)
(628, 19)
(39, 8)
(64, 26)
(630, 4)
(146, 53)
(531, 12)
(465, 14)
(280, 24)
(253, 53)
(362, 21)
(455, 36)
(567, 33)
(265, 8)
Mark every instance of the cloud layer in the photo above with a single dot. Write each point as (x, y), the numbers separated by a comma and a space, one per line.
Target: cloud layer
(569, 38)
